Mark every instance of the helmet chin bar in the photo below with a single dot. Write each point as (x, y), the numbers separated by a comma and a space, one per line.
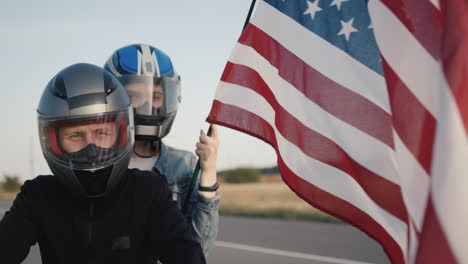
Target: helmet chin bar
(148, 133)
(153, 132)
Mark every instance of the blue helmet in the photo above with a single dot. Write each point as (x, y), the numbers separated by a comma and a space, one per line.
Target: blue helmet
(152, 84)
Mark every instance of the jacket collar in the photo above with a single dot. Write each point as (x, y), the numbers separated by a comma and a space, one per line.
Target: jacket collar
(161, 164)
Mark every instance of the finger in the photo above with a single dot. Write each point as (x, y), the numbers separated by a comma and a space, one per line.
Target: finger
(214, 131)
(201, 153)
(202, 146)
(202, 134)
(205, 139)
(207, 151)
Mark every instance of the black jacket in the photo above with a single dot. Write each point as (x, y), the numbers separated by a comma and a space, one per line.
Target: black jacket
(138, 225)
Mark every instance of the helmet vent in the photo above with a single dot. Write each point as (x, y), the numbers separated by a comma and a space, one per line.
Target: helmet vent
(110, 83)
(58, 89)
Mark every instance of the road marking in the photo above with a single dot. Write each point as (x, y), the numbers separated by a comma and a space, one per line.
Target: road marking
(285, 253)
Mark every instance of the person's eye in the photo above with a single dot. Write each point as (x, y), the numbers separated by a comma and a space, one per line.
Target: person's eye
(75, 136)
(104, 133)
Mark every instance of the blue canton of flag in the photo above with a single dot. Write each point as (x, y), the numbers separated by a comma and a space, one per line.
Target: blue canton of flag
(343, 23)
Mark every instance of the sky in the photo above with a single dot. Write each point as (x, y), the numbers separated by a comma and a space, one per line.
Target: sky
(40, 38)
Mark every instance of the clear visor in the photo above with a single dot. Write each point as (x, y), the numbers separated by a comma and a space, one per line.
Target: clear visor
(154, 98)
(87, 142)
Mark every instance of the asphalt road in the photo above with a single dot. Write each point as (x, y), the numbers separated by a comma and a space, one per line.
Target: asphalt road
(262, 241)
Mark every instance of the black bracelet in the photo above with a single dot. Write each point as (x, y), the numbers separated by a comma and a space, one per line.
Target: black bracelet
(209, 189)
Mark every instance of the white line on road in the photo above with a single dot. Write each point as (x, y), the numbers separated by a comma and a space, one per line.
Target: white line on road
(285, 253)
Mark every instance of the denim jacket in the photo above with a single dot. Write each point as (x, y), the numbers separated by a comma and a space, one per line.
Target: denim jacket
(203, 213)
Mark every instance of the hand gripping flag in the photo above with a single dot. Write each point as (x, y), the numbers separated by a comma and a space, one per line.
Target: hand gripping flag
(366, 105)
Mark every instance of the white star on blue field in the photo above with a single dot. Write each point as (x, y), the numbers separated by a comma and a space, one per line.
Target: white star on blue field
(343, 23)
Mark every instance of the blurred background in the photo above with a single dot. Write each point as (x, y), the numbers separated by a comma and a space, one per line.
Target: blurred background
(39, 38)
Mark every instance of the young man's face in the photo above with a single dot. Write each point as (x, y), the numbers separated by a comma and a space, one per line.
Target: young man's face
(140, 94)
(75, 138)
(158, 96)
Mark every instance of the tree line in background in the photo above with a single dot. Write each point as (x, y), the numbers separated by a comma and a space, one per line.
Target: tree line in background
(246, 175)
(10, 183)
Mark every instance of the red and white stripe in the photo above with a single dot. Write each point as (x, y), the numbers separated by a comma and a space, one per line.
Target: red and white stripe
(428, 117)
(347, 144)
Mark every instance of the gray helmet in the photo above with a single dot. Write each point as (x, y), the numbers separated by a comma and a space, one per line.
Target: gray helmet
(153, 85)
(85, 123)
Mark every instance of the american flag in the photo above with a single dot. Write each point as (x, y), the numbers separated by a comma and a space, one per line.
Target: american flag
(366, 105)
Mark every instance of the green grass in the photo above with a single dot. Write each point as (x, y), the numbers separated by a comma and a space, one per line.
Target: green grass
(269, 198)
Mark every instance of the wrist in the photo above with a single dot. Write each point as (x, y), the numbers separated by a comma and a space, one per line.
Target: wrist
(212, 188)
(208, 178)
(209, 170)
(208, 191)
